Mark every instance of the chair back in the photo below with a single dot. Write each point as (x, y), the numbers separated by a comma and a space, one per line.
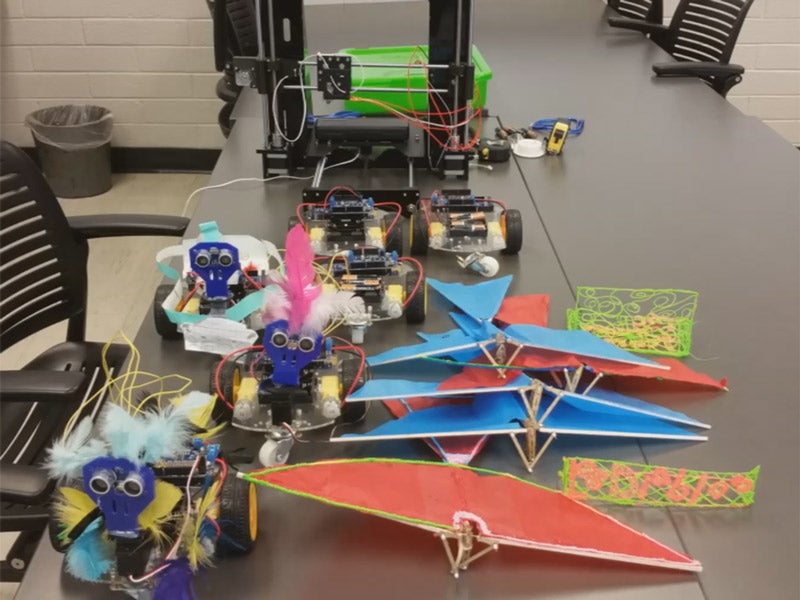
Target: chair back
(705, 30)
(42, 264)
(651, 11)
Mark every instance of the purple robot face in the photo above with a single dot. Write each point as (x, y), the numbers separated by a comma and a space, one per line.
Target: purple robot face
(289, 353)
(121, 490)
(215, 263)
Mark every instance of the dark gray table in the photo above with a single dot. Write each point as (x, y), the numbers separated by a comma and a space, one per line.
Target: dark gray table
(668, 186)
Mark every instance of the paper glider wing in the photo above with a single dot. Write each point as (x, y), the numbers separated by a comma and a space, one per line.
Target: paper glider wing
(481, 301)
(459, 450)
(443, 344)
(467, 505)
(493, 412)
(465, 344)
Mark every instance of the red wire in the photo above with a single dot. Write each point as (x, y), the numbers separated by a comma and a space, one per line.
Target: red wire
(215, 524)
(396, 216)
(500, 203)
(184, 301)
(298, 211)
(224, 466)
(337, 188)
(254, 363)
(420, 277)
(349, 346)
(252, 281)
(219, 370)
(425, 210)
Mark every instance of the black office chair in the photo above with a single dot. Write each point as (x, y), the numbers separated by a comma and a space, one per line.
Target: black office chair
(235, 34)
(651, 11)
(701, 36)
(43, 281)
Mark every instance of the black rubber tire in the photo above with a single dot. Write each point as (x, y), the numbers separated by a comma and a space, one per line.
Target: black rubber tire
(418, 234)
(352, 412)
(513, 231)
(394, 239)
(235, 503)
(415, 309)
(222, 412)
(164, 327)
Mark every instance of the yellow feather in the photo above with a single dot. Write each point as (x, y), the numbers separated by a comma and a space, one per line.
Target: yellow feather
(211, 432)
(71, 506)
(199, 416)
(159, 511)
(195, 550)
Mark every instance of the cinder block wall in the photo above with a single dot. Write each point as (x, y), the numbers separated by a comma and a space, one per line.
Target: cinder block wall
(151, 63)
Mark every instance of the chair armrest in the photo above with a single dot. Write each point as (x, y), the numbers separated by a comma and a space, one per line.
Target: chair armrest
(41, 386)
(697, 69)
(103, 226)
(24, 484)
(637, 25)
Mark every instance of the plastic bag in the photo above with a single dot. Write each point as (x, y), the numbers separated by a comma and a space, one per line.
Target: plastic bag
(72, 127)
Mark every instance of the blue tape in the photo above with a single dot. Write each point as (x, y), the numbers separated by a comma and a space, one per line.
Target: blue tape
(575, 125)
(168, 271)
(209, 232)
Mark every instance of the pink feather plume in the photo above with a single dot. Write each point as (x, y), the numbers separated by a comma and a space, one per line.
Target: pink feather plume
(300, 286)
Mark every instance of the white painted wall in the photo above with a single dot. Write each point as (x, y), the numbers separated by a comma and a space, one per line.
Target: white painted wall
(151, 63)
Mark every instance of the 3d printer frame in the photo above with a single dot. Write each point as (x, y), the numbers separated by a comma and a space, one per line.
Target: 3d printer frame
(278, 74)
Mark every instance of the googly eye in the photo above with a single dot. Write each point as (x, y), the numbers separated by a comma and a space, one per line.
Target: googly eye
(133, 485)
(306, 344)
(102, 482)
(279, 339)
(202, 258)
(225, 258)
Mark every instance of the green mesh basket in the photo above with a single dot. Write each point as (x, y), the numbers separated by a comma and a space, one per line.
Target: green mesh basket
(641, 320)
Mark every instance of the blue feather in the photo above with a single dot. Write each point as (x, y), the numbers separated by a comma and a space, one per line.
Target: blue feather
(123, 432)
(67, 456)
(146, 438)
(167, 434)
(90, 556)
(176, 582)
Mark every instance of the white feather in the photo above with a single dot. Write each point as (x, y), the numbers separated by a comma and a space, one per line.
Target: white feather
(330, 306)
(276, 305)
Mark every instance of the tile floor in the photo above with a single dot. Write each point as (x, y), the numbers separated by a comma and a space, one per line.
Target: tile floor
(122, 271)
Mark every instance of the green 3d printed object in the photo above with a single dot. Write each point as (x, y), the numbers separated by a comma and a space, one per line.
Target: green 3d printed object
(636, 484)
(642, 320)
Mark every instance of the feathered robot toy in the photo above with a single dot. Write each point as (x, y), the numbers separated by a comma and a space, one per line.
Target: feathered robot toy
(142, 503)
(304, 369)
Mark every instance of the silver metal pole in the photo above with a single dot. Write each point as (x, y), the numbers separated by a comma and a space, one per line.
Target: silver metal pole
(469, 54)
(264, 97)
(319, 171)
(459, 12)
(276, 138)
(379, 89)
(309, 63)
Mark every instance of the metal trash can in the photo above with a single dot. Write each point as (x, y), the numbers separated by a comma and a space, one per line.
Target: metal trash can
(74, 147)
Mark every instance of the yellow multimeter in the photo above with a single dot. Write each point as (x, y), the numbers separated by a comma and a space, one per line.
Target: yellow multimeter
(558, 135)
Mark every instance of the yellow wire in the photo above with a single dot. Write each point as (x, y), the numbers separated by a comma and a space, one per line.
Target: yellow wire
(159, 395)
(120, 388)
(333, 258)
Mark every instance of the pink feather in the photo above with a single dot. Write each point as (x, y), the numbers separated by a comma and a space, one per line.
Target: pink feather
(300, 286)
